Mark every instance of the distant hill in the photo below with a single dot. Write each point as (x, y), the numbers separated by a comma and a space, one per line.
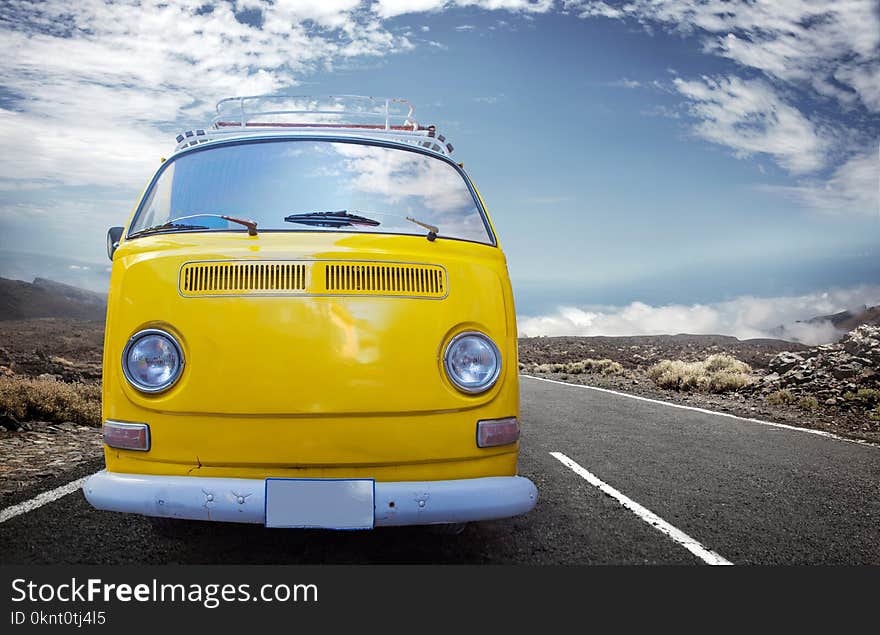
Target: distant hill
(47, 298)
(92, 275)
(827, 328)
(848, 320)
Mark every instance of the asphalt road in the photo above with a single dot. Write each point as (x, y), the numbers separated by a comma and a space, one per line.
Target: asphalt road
(751, 493)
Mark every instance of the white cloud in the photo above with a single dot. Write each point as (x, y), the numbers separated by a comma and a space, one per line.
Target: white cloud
(107, 82)
(394, 8)
(397, 176)
(854, 187)
(333, 14)
(749, 117)
(594, 9)
(743, 317)
(865, 79)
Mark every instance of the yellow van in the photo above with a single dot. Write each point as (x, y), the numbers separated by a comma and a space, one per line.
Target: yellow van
(310, 324)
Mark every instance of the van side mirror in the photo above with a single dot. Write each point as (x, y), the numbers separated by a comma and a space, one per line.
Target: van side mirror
(114, 234)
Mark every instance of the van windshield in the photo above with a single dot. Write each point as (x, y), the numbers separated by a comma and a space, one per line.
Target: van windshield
(269, 181)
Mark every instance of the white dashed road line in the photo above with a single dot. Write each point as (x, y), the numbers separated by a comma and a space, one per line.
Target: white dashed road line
(706, 555)
(821, 433)
(41, 499)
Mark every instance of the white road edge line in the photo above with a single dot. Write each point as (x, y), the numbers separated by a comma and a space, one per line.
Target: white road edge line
(821, 433)
(695, 547)
(41, 499)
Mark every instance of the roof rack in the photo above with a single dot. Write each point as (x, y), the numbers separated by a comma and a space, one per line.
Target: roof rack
(384, 118)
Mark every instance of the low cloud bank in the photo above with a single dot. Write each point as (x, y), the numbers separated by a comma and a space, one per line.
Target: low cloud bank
(743, 317)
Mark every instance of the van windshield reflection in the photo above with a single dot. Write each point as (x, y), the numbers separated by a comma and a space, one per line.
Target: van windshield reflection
(315, 185)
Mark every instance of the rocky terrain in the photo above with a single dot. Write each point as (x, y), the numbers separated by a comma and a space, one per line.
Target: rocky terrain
(643, 350)
(64, 349)
(844, 375)
(66, 352)
(43, 451)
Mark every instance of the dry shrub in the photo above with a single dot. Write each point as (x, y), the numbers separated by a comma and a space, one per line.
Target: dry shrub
(722, 362)
(603, 366)
(868, 398)
(865, 396)
(49, 400)
(808, 402)
(717, 373)
(728, 381)
(781, 398)
(549, 368)
(614, 368)
(678, 375)
(576, 368)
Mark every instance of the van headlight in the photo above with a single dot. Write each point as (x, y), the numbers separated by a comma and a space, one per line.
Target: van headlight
(152, 360)
(472, 362)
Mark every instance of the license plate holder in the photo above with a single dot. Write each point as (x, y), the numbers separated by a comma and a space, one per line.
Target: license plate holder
(320, 503)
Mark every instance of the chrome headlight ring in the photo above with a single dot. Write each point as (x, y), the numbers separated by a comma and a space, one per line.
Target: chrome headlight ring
(456, 376)
(163, 338)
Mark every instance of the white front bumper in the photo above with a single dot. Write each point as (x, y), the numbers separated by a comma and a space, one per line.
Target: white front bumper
(243, 500)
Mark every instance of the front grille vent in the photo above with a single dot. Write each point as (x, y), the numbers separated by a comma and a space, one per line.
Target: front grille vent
(242, 278)
(317, 277)
(424, 281)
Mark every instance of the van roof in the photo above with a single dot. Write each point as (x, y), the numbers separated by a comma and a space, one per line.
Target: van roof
(354, 116)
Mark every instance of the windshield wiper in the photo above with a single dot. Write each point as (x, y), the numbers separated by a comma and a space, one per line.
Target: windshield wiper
(342, 218)
(173, 224)
(432, 230)
(169, 225)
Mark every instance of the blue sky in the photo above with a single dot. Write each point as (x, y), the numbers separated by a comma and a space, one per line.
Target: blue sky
(651, 166)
